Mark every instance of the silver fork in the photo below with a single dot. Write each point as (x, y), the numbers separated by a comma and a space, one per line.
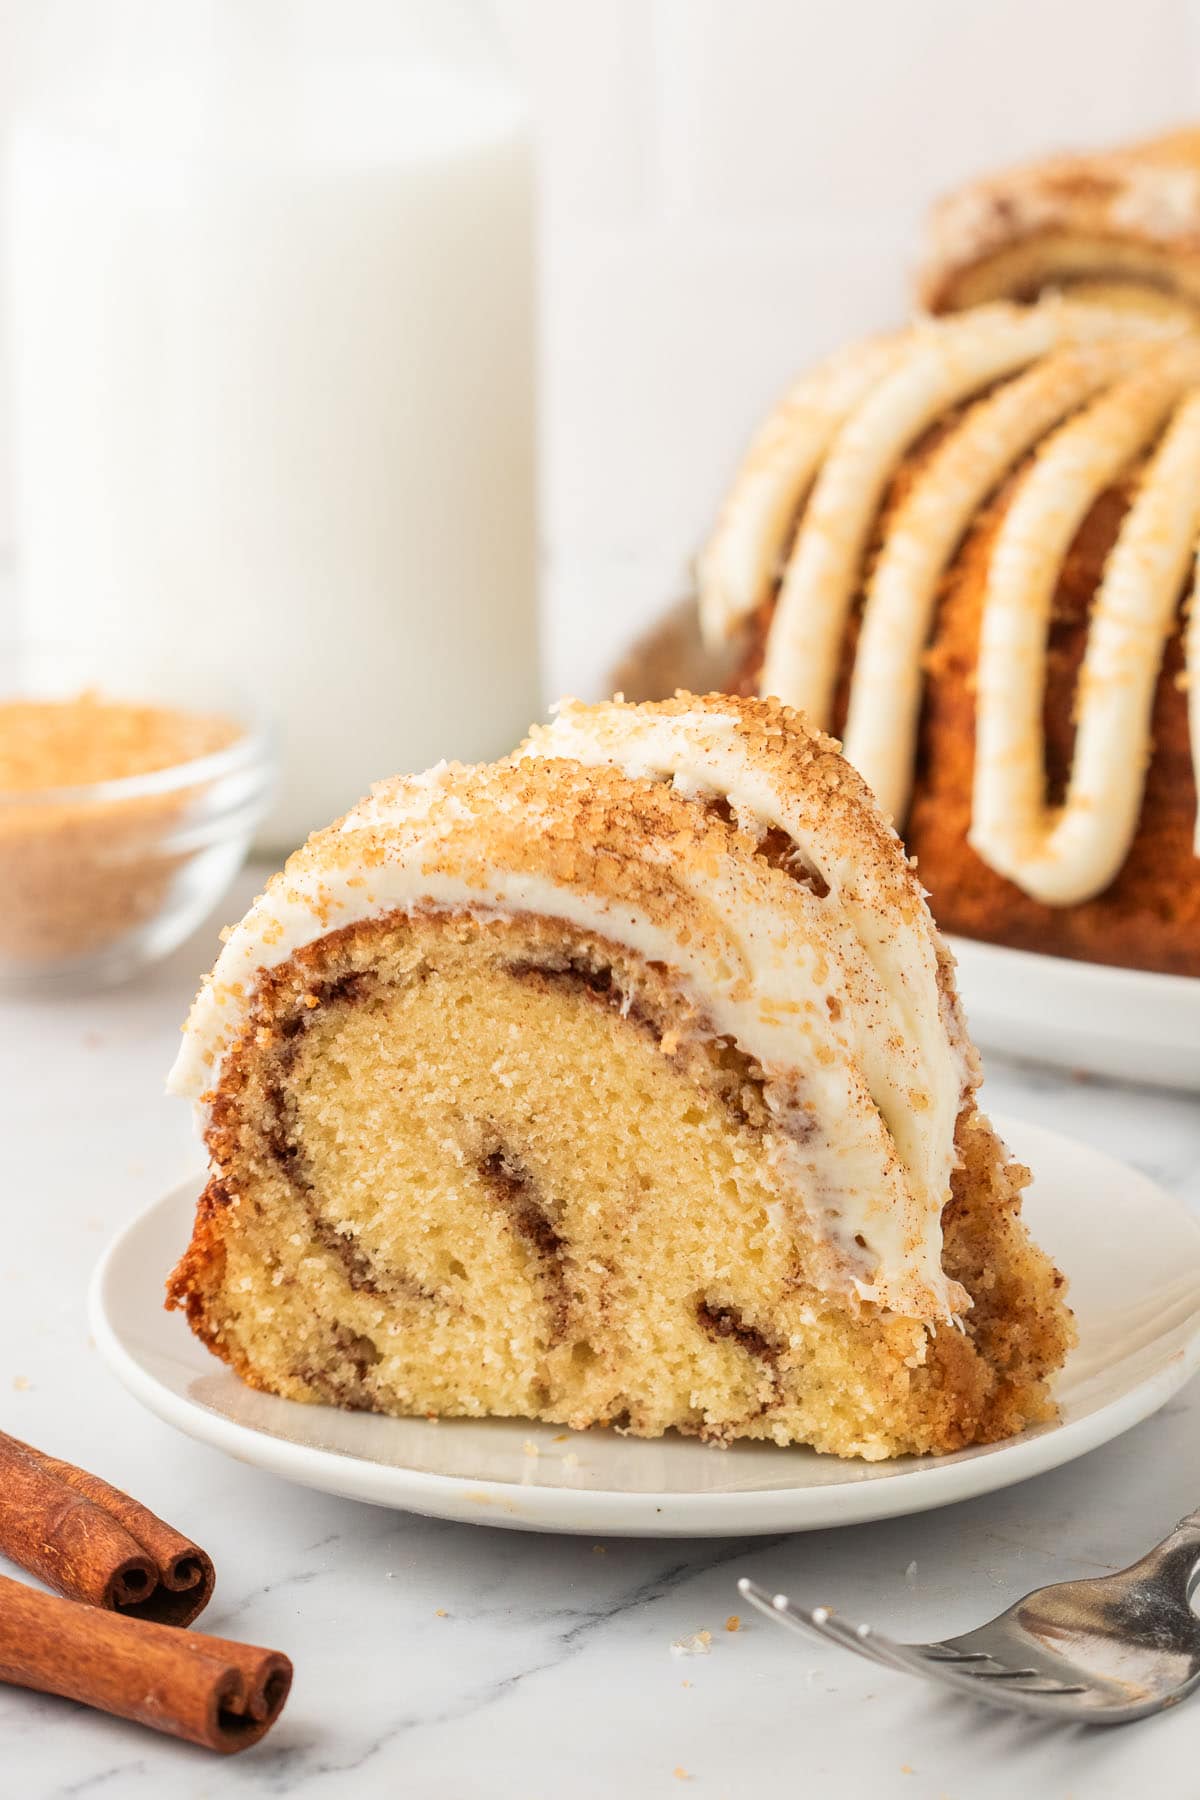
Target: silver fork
(1095, 1652)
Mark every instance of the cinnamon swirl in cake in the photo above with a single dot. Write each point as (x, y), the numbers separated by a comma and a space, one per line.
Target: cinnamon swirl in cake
(969, 549)
(1127, 218)
(623, 1082)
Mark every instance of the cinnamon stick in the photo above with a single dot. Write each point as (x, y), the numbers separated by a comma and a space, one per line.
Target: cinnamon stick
(94, 1543)
(208, 1690)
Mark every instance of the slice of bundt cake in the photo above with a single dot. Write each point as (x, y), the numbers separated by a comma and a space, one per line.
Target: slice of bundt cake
(624, 1082)
(970, 549)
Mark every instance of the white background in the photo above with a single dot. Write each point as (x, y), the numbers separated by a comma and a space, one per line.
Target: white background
(731, 186)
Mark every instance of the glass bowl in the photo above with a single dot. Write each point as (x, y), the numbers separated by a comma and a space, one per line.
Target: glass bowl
(101, 878)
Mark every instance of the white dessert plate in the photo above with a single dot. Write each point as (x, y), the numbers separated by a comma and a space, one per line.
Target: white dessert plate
(1131, 1251)
(1126, 1023)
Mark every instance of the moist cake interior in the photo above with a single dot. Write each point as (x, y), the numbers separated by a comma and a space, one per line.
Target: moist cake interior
(486, 1168)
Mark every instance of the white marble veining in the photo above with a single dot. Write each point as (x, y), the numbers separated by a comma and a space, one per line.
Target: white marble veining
(448, 1662)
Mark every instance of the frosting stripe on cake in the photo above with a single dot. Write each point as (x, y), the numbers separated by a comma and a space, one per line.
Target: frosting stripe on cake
(1065, 855)
(744, 553)
(1082, 387)
(885, 694)
(946, 365)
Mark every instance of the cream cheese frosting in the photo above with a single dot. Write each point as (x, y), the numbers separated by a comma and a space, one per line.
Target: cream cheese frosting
(830, 978)
(1078, 389)
(1068, 853)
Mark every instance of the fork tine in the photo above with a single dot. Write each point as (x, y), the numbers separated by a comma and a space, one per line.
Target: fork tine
(948, 1655)
(862, 1638)
(774, 1606)
(1001, 1674)
(750, 1590)
(950, 1668)
(909, 1659)
(978, 1682)
(777, 1607)
(966, 1678)
(758, 1596)
(780, 1608)
(817, 1622)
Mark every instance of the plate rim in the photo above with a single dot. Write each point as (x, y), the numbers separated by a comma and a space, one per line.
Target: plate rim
(1184, 988)
(932, 1483)
(1133, 1025)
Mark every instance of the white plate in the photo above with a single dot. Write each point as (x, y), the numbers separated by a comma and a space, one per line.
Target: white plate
(1126, 1023)
(1131, 1251)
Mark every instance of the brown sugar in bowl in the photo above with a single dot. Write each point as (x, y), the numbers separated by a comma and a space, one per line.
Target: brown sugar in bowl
(120, 823)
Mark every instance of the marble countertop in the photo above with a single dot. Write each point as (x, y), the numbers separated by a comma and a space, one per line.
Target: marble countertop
(445, 1662)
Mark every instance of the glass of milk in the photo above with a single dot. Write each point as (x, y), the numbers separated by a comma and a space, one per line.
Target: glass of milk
(270, 268)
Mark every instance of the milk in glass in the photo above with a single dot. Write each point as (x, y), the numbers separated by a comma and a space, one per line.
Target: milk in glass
(272, 353)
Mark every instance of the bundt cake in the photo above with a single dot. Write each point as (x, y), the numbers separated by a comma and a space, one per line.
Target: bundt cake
(621, 1082)
(968, 549)
(1128, 216)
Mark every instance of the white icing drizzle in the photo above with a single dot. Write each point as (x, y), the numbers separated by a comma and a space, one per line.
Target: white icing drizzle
(885, 697)
(742, 558)
(1077, 348)
(1065, 856)
(946, 363)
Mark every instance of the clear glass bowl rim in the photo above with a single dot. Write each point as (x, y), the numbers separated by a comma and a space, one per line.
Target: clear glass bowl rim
(254, 749)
